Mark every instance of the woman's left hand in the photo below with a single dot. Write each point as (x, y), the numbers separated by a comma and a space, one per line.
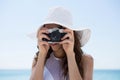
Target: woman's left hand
(68, 44)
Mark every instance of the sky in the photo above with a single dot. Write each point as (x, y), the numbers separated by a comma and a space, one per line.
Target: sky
(18, 18)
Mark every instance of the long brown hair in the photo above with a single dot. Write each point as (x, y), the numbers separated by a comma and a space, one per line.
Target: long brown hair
(78, 55)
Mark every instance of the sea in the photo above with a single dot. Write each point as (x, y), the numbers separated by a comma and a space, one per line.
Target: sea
(24, 74)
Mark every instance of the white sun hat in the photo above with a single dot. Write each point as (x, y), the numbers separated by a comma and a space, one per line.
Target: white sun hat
(62, 16)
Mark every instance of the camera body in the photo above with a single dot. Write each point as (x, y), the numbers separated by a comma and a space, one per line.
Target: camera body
(55, 35)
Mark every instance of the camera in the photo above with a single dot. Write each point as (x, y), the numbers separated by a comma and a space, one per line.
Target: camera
(55, 35)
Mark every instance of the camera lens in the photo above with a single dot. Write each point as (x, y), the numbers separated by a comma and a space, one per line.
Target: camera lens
(55, 36)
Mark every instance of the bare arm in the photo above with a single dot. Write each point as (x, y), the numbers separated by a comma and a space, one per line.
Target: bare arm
(38, 68)
(74, 73)
(87, 68)
(68, 46)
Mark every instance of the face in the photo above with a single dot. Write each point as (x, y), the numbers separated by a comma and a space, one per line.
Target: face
(56, 46)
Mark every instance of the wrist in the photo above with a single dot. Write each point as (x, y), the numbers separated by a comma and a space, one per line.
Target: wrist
(70, 54)
(42, 55)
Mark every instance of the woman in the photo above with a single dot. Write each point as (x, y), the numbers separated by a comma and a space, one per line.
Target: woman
(63, 60)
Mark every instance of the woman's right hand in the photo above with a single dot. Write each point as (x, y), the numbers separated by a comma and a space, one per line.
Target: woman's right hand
(43, 45)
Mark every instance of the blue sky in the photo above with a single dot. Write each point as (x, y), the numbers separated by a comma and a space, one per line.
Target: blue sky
(18, 18)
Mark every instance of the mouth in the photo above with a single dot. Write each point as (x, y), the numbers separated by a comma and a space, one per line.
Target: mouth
(53, 44)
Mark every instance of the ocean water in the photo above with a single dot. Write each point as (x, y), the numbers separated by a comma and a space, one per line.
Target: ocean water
(25, 74)
(14, 74)
(106, 75)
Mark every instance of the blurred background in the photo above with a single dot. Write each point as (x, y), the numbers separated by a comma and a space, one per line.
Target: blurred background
(18, 18)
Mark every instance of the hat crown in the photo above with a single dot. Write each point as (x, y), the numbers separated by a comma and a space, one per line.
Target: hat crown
(61, 16)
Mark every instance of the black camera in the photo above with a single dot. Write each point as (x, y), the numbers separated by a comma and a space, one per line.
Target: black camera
(55, 35)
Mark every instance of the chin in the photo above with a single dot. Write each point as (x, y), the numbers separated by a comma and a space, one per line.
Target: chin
(55, 47)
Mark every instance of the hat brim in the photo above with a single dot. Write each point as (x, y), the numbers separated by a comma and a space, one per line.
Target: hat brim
(84, 35)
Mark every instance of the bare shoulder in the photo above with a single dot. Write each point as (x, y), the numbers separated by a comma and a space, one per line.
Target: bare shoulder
(87, 58)
(87, 63)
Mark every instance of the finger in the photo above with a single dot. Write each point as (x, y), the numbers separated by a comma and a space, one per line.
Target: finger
(41, 31)
(43, 43)
(67, 36)
(43, 36)
(67, 31)
(65, 42)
